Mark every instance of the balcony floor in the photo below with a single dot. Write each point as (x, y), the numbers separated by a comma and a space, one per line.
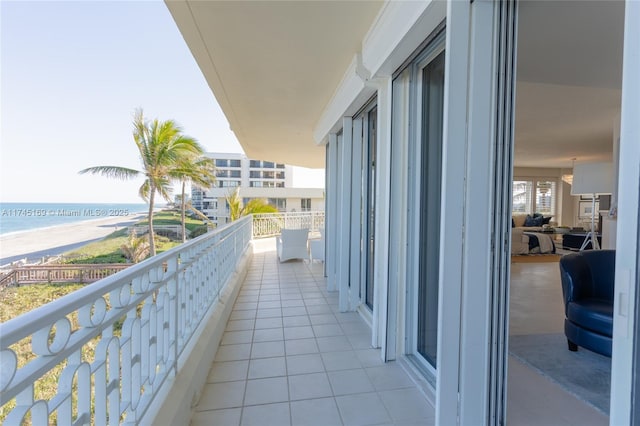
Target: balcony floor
(290, 357)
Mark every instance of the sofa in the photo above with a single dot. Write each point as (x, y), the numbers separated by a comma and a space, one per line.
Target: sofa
(587, 288)
(521, 223)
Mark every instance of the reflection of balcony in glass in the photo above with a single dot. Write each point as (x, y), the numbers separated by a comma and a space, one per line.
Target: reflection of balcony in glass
(280, 175)
(254, 163)
(268, 165)
(221, 163)
(228, 183)
(235, 173)
(235, 163)
(279, 166)
(268, 175)
(254, 174)
(222, 173)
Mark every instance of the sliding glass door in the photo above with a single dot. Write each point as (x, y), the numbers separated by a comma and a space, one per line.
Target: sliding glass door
(369, 211)
(418, 99)
(430, 171)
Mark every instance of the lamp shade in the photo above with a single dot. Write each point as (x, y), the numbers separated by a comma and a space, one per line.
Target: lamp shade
(592, 178)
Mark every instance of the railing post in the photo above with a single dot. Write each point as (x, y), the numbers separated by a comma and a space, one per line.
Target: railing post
(176, 334)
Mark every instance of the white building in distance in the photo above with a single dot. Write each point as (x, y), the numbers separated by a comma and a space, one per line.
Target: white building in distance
(256, 179)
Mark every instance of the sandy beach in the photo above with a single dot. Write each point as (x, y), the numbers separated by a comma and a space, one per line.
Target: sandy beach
(59, 239)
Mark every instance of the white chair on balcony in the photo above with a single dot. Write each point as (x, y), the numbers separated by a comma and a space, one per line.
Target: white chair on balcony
(292, 244)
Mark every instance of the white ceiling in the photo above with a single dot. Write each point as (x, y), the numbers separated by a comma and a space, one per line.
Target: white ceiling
(273, 67)
(568, 81)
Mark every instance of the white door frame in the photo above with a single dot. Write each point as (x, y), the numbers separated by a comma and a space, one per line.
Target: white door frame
(625, 356)
(478, 143)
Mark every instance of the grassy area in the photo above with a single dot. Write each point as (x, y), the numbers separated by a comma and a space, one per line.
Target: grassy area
(15, 301)
(170, 217)
(108, 250)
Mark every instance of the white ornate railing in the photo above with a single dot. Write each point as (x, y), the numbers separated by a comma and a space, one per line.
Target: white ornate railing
(100, 354)
(270, 224)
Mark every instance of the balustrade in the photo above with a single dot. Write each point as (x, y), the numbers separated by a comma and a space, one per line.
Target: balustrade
(106, 349)
(270, 224)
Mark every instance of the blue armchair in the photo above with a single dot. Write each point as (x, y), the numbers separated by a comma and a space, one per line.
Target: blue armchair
(587, 286)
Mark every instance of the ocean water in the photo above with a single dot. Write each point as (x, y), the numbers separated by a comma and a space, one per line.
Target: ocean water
(16, 217)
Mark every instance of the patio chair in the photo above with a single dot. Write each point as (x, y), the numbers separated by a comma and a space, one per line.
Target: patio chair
(292, 244)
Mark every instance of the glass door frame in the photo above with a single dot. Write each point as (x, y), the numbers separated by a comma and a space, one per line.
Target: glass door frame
(430, 53)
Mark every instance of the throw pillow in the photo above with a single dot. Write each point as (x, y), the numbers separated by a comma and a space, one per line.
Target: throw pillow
(533, 221)
(546, 220)
(528, 221)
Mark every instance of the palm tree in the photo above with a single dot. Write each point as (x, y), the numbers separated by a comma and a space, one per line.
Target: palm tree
(256, 205)
(162, 146)
(136, 249)
(200, 172)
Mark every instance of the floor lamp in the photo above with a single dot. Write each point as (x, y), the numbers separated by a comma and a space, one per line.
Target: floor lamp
(592, 179)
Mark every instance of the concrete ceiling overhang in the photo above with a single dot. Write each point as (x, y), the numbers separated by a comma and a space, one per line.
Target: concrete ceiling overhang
(273, 66)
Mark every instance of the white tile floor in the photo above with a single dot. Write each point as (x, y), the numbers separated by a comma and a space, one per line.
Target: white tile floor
(289, 357)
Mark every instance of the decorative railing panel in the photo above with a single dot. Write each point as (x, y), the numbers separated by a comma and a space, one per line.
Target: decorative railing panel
(270, 224)
(100, 354)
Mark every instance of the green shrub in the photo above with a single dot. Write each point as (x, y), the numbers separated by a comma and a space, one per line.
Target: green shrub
(200, 230)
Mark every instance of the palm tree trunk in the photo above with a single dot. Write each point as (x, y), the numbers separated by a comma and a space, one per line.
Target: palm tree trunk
(184, 206)
(152, 244)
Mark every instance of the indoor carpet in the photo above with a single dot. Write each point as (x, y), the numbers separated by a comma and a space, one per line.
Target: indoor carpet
(585, 374)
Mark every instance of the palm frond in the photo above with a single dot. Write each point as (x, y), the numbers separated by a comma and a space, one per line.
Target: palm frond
(116, 172)
(235, 204)
(145, 190)
(258, 205)
(163, 187)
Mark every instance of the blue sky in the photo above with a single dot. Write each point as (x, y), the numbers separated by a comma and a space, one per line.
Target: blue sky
(71, 76)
